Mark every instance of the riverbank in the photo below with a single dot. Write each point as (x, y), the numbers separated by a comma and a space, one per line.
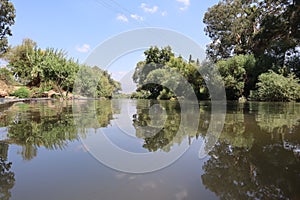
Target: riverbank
(6, 101)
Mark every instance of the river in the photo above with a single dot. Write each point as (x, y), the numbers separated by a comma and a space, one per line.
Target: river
(59, 150)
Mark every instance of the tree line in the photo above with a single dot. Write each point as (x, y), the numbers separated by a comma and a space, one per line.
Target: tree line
(255, 47)
(46, 69)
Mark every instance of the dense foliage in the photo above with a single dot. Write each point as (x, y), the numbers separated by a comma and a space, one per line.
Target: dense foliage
(36, 67)
(94, 82)
(241, 75)
(236, 74)
(251, 37)
(272, 86)
(162, 75)
(7, 19)
(267, 29)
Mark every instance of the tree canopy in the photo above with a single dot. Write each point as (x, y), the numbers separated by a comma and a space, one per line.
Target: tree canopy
(264, 28)
(7, 19)
(162, 74)
(251, 37)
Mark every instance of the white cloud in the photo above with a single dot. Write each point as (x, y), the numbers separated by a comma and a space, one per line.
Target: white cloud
(122, 18)
(137, 17)
(148, 9)
(164, 13)
(83, 49)
(186, 4)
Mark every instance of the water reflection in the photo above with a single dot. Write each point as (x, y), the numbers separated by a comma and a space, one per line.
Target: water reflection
(33, 125)
(158, 123)
(7, 177)
(278, 117)
(93, 114)
(50, 125)
(234, 130)
(257, 164)
(257, 155)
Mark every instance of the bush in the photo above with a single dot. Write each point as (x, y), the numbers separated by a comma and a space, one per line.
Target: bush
(276, 87)
(21, 93)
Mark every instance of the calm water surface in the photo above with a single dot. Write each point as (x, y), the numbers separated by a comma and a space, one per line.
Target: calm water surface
(42, 155)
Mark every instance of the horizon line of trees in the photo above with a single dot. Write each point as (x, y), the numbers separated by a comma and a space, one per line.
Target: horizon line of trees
(159, 76)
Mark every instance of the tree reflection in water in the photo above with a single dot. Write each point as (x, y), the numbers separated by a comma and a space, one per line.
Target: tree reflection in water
(47, 124)
(257, 155)
(160, 129)
(7, 177)
(263, 168)
(52, 125)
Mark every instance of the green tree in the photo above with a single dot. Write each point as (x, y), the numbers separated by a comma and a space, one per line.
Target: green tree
(268, 29)
(279, 31)
(190, 71)
(276, 87)
(20, 59)
(155, 59)
(7, 19)
(95, 82)
(6, 76)
(231, 26)
(55, 67)
(161, 75)
(237, 73)
(36, 67)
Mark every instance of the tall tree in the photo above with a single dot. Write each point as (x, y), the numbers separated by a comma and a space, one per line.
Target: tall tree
(7, 19)
(231, 25)
(268, 29)
(279, 33)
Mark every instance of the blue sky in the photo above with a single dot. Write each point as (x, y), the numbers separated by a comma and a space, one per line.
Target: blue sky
(78, 26)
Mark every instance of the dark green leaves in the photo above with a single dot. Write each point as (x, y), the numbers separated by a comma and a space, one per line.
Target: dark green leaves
(7, 19)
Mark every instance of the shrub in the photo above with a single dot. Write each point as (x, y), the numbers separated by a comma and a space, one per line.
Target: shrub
(21, 93)
(276, 87)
